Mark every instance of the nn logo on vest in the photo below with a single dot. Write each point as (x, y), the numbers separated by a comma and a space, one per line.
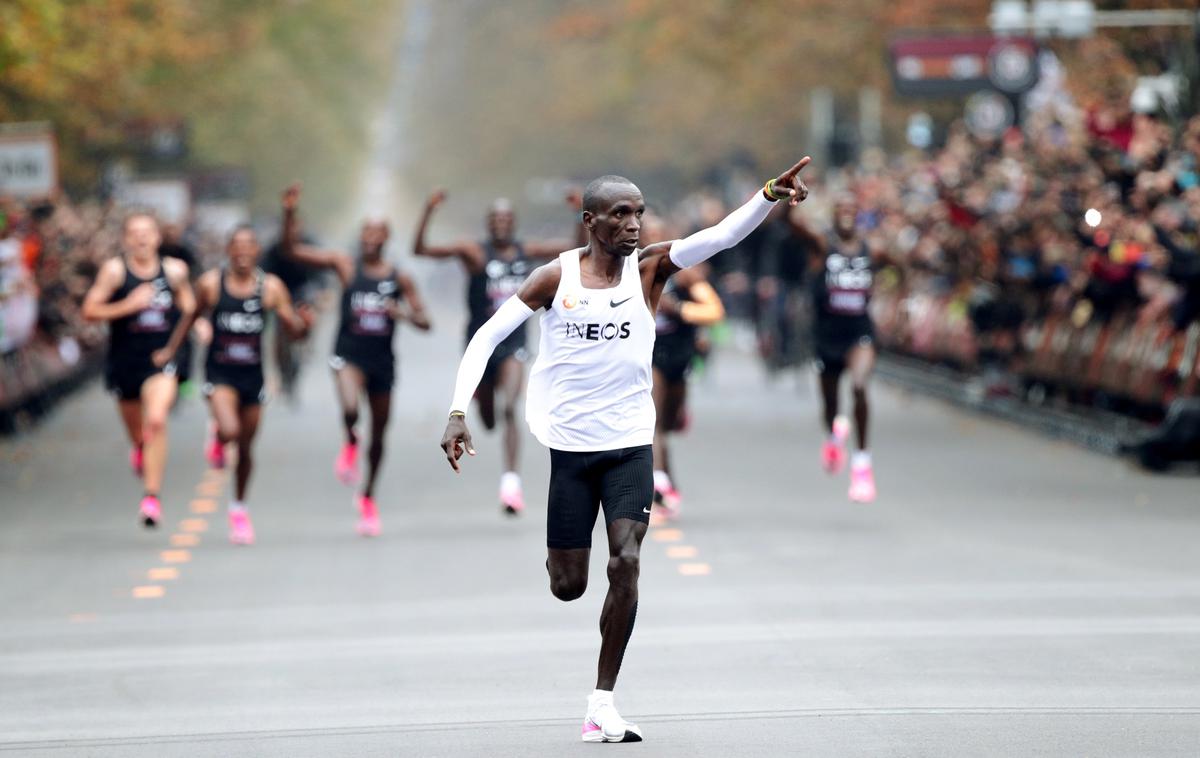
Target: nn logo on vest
(597, 332)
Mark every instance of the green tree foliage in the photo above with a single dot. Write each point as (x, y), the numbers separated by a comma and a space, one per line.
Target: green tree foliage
(282, 87)
(656, 85)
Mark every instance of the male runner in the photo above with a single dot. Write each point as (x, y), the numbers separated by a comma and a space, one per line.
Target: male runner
(589, 397)
(238, 297)
(148, 302)
(844, 338)
(302, 284)
(375, 295)
(174, 246)
(496, 268)
(688, 301)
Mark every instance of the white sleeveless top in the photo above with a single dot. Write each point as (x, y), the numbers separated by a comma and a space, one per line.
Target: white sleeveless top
(589, 389)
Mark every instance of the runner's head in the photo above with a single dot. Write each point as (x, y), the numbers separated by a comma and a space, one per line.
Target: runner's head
(845, 214)
(140, 235)
(243, 249)
(612, 212)
(501, 221)
(172, 233)
(373, 238)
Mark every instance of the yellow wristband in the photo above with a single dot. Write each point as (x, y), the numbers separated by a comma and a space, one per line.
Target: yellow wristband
(769, 188)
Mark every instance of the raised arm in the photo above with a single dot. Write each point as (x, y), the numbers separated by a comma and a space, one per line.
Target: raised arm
(665, 258)
(658, 262)
(549, 249)
(537, 292)
(801, 229)
(307, 255)
(471, 254)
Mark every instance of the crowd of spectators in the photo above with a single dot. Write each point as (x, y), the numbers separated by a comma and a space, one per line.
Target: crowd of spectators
(50, 251)
(1090, 215)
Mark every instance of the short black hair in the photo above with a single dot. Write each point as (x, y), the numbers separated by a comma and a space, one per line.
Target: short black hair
(597, 190)
(139, 213)
(242, 227)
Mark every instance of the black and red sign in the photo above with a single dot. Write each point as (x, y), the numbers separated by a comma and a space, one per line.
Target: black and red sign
(952, 66)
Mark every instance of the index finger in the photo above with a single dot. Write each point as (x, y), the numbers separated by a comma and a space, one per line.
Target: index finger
(799, 166)
(450, 448)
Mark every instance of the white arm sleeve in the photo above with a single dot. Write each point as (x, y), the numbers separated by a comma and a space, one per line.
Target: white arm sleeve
(706, 243)
(504, 322)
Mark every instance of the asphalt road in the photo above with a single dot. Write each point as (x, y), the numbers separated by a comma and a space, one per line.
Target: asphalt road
(1007, 595)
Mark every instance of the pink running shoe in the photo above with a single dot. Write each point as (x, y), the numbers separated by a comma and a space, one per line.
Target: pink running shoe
(150, 511)
(215, 454)
(668, 501)
(833, 451)
(136, 460)
(604, 724)
(368, 517)
(346, 466)
(513, 502)
(241, 531)
(862, 484)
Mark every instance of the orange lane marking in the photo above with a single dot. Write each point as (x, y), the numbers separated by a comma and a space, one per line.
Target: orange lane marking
(184, 540)
(146, 591)
(162, 573)
(81, 618)
(209, 488)
(193, 525)
(666, 535)
(695, 569)
(203, 505)
(175, 556)
(682, 551)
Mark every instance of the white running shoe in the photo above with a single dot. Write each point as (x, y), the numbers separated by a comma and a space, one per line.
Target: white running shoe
(604, 724)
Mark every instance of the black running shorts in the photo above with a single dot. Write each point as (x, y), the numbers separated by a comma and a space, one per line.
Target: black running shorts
(835, 336)
(380, 374)
(622, 480)
(502, 353)
(674, 361)
(126, 380)
(246, 381)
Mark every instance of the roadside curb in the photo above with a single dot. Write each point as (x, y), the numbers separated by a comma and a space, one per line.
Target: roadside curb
(1096, 430)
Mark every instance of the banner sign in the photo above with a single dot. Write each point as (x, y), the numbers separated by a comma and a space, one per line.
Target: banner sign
(28, 160)
(956, 65)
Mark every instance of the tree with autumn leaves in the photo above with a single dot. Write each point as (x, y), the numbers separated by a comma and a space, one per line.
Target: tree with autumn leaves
(259, 84)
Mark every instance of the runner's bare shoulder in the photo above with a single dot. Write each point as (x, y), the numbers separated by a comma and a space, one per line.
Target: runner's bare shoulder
(539, 289)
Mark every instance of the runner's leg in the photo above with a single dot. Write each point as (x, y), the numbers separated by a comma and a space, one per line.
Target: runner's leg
(223, 404)
(485, 397)
(158, 394)
(248, 417)
(131, 417)
(350, 384)
(381, 411)
(511, 381)
(861, 362)
(620, 606)
(830, 379)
